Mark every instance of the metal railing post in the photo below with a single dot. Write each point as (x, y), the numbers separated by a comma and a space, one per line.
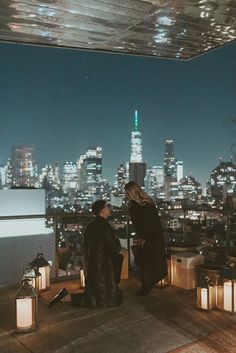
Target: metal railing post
(228, 240)
(56, 247)
(128, 240)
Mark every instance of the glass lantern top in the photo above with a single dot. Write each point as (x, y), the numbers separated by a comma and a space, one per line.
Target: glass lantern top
(26, 290)
(31, 272)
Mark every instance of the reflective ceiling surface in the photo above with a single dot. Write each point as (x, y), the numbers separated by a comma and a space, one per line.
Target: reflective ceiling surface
(178, 29)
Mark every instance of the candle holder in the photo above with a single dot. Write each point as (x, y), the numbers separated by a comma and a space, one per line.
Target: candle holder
(44, 269)
(206, 294)
(26, 307)
(35, 276)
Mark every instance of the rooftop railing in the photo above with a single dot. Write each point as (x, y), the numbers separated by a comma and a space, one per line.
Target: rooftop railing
(193, 224)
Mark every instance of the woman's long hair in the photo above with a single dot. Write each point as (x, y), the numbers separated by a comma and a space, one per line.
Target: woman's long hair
(135, 193)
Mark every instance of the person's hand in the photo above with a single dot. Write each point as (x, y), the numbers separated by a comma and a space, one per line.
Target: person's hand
(141, 242)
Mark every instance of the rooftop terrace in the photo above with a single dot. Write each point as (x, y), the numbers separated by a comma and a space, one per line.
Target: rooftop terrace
(165, 321)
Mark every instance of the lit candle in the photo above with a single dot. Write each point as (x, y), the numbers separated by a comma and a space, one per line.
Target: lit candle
(227, 296)
(82, 278)
(204, 303)
(228, 304)
(42, 270)
(24, 313)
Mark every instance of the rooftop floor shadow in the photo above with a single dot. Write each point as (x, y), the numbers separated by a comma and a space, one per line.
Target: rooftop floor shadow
(165, 321)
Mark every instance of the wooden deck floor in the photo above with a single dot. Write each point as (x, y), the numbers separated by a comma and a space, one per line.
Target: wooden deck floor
(166, 321)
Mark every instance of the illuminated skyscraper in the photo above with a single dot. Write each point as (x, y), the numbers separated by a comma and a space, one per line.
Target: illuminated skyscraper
(154, 180)
(8, 175)
(136, 142)
(121, 178)
(137, 169)
(23, 167)
(2, 177)
(94, 165)
(151, 182)
(179, 170)
(223, 180)
(90, 168)
(82, 173)
(69, 176)
(189, 188)
(171, 174)
(160, 175)
(49, 176)
(169, 160)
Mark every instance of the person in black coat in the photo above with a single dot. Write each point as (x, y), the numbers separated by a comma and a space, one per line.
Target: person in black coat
(102, 260)
(150, 254)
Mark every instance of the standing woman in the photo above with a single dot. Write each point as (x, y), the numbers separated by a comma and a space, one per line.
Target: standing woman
(150, 238)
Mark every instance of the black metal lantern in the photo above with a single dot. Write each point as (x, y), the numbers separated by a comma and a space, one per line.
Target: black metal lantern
(26, 307)
(44, 269)
(206, 295)
(35, 276)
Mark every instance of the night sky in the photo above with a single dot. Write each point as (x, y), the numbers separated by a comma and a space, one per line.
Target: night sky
(62, 101)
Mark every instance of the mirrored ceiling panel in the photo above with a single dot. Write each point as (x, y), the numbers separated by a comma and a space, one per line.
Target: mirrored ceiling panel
(173, 29)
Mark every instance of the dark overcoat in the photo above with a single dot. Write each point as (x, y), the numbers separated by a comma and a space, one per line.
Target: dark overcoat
(152, 257)
(101, 249)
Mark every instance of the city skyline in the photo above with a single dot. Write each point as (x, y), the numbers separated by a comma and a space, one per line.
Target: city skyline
(65, 101)
(111, 181)
(82, 181)
(61, 166)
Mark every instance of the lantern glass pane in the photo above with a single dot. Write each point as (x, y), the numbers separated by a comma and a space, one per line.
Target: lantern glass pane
(204, 298)
(24, 313)
(26, 307)
(229, 302)
(42, 270)
(82, 279)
